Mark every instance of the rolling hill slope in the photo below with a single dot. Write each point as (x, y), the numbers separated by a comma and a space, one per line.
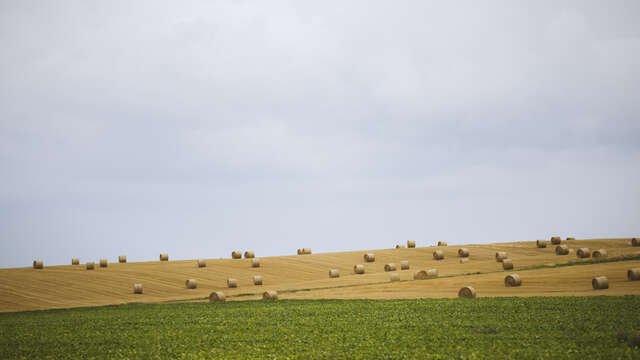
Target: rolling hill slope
(306, 276)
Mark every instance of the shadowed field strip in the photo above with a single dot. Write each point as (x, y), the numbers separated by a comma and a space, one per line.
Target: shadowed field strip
(74, 286)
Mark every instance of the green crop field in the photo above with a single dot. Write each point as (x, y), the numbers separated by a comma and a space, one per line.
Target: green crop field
(562, 327)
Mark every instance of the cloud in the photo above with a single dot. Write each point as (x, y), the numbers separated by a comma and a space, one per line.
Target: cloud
(199, 128)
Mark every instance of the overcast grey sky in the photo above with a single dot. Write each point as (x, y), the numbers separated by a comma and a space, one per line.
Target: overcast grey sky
(198, 128)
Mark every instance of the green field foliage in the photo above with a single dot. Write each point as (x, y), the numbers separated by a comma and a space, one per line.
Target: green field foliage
(602, 327)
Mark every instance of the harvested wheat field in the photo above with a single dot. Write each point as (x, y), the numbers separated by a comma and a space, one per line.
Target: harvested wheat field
(543, 273)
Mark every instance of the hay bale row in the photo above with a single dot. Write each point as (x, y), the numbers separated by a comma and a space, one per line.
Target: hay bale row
(90, 265)
(103, 263)
(394, 277)
(122, 259)
(442, 243)
(191, 283)
(137, 288)
(507, 264)
(501, 255)
(255, 263)
(75, 261)
(599, 254)
(249, 254)
(304, 251)
(202, 263)
(467, 292)
(369, 257)
(404, 264)
(463, 252)
(411, 244)
(270, 295)
(541, 244)
(635, 242)
(390, 267)
(633, 274)
(600, 283)
(236, 255)
(512, 280)
(438, 255)
(358, 269)
(334, 273)
(583, 253)
(217, 296)
(562, 250)
(164, 257)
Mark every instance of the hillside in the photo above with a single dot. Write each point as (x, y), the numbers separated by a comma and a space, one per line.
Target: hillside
(306, 276)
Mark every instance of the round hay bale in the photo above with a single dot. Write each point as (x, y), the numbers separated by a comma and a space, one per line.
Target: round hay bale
(600, 283)
(600, 254)
(369, 257)
(236, 255)
(137, 288)
(334, 273)
(164, 257)
(216, 296)
(75, 261)
(400, 246)
(411, 243)
(257, 280)
(541, 244)
(635, 242)
(358, 269)
(404, 264)
(464, 260)
(419, 275)
(507, 264)
(501, 255)
(306, 251)
(438, 255)
(249, 254)
(191, 284)
(38, 264)
(103, 263)
(463, 252)
(633, 274)
(202, 263)
(442, 243)
(270, 295)
(90, 265)
(255, 263)
(562, 250)
(232, 283)
(390, 267)
(583, 253)
(432, 273)
(467, 292)
(512, 280)
(300, 252)
(122, 259)
(556, 240)
(395, 277)
(570, 238)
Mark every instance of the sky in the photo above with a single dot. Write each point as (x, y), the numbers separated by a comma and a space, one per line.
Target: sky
(199, 128)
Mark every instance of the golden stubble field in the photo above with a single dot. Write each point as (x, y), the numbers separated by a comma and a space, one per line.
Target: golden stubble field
(306, 276)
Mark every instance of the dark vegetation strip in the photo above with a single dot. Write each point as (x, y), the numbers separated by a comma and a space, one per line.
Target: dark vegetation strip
(598, 327)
